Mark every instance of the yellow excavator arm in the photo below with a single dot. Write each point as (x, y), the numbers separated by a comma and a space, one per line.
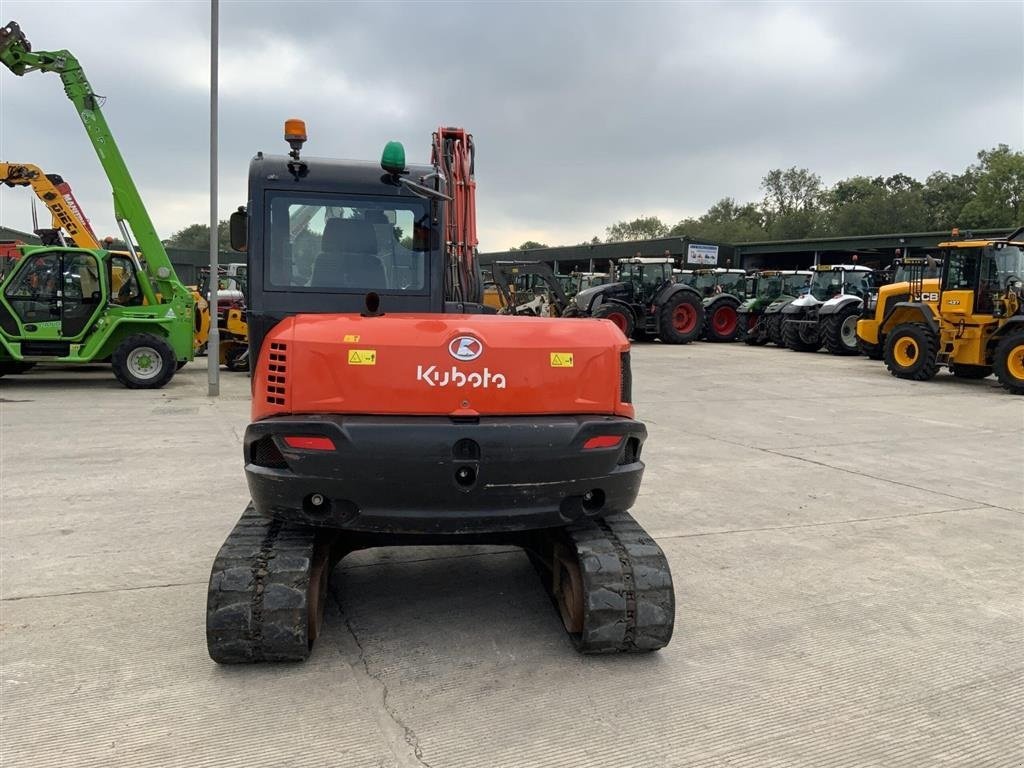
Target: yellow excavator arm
(56, 195)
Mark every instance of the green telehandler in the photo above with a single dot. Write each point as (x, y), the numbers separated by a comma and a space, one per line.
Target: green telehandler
(85, 305)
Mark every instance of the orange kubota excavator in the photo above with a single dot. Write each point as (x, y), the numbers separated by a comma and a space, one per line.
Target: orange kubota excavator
(390, 407)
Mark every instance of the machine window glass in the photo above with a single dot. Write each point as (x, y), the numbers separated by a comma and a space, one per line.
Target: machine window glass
(32, 293)
(124, 283)
(796, 284)
(339, 244)
(858, 283)
(705, 284)
(1009, 263)
(733, 283)
(82, 292)
(826, 284)
(769, 286)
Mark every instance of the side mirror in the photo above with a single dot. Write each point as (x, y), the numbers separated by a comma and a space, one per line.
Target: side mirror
(238, 227)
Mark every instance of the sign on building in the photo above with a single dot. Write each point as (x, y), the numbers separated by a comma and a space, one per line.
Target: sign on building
(702, 254)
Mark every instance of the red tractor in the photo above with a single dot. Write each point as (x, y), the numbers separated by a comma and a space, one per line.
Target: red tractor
(389, 407)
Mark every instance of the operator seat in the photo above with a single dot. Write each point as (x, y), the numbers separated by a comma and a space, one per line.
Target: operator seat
(348, 258)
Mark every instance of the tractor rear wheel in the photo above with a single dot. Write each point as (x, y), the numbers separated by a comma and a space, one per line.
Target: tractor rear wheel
(1009, 363)
(144, 361)
(773, 329)
(681, 318)
(840, 331)
(911, 352)
(798, 339)
(722, 323)
(965, 371)
(619, 315)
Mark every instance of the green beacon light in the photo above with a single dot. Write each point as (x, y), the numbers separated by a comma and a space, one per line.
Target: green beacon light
(392, 159)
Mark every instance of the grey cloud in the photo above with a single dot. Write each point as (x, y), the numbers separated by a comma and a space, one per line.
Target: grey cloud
(583, 113)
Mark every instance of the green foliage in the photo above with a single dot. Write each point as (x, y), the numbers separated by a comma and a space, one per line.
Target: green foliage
(988, 194)
(998, 199)
(641, 228)
(529, 245)
(726, 221)
(196, 237)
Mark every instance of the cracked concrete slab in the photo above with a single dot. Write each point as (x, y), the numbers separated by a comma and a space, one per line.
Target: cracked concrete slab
(843, 598)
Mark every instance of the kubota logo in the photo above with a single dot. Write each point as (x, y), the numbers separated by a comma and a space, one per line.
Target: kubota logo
(432, 377)
(465, 348)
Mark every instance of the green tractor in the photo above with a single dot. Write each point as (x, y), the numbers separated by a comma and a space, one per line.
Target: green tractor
(722, 291)
(773, 288)
(77, 305)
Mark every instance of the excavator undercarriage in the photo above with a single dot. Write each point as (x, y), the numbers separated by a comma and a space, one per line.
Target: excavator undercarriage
(608, 579)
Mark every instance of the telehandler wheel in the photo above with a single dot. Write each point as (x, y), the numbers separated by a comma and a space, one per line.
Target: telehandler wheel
(840, 331)
(796, 339)
(773, 329)
(964, 371)
(619, 315)
(723, 322)
(681, 318)
(1009, 363)
(143, 361)
(911, 352)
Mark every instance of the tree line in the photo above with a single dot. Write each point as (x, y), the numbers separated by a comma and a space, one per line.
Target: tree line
(795, 204)
(988, 193)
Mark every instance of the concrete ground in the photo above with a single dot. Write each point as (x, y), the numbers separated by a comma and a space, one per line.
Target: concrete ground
(846, 549)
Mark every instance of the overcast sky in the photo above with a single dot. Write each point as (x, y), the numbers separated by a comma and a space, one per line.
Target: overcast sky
(583, 113)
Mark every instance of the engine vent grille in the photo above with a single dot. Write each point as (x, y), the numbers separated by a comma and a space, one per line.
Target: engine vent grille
(265, 454)
(626, 379)
(277, 373)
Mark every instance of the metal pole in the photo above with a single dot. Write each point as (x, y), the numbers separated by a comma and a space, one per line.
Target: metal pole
(213, 345)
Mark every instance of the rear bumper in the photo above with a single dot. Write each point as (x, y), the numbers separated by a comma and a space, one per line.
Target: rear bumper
(395, 474)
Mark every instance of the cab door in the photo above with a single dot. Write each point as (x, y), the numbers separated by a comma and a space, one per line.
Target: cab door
(53, 297)
(81, 294)
(32, 310)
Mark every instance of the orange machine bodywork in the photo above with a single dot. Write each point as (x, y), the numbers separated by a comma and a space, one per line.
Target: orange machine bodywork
(407, 364)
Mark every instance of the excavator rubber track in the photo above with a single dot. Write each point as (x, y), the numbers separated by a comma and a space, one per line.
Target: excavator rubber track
(611, 584)
(609, 580)
(267, 591)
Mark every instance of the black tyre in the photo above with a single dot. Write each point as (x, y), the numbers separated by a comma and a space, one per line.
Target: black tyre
(144, 361)
(236, 358)
(869, 350)
(964, 371)
(911, 352)
(773, 329)
(641, 335)
(721, 323)
(618, 314)
(800, 337)
(572, 310)
(839, 331)
(1008, 360)
(681, 318)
